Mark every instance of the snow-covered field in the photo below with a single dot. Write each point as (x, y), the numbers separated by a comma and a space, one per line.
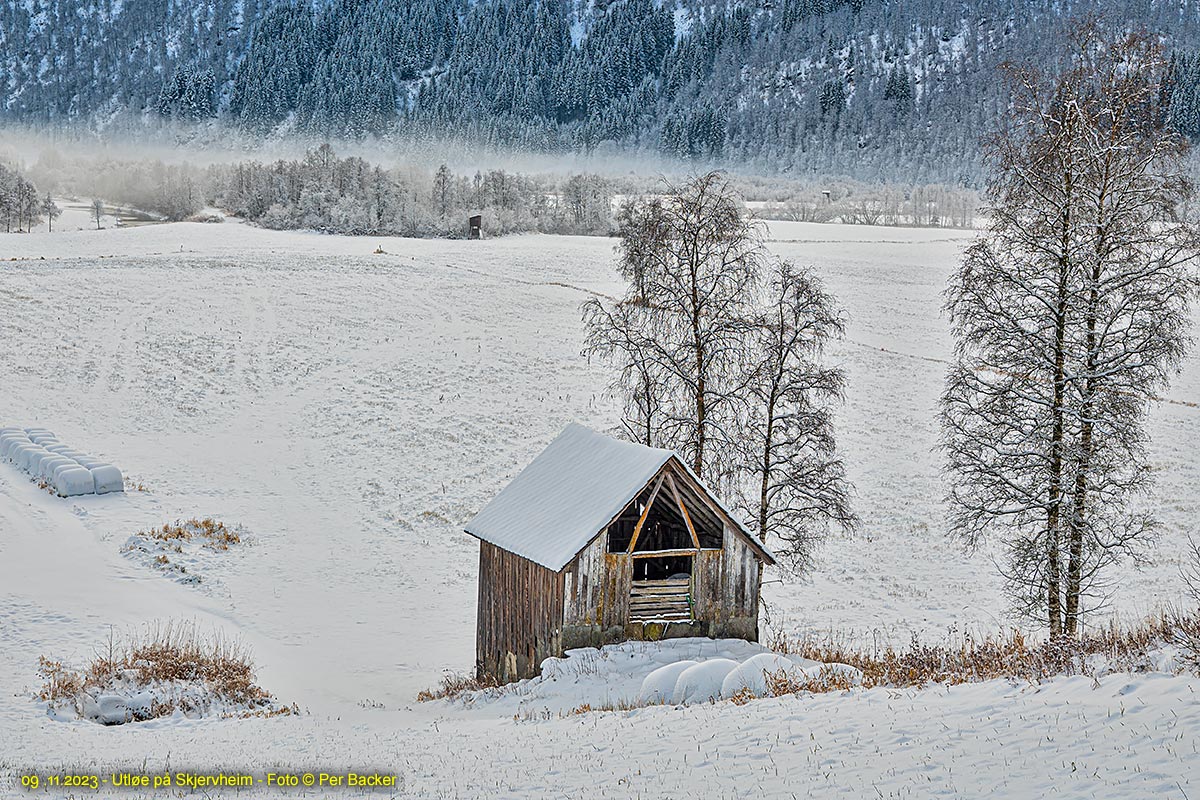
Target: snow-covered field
(351, 410)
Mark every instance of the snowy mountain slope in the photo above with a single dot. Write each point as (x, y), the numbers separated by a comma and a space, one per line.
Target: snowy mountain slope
(901, 91)
(352, 410)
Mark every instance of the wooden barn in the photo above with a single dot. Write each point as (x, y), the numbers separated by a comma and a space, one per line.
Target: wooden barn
(598, 541)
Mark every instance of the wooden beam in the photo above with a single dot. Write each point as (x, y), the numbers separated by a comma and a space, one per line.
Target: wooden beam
(637, 531)
(663, 553)
(683, 510)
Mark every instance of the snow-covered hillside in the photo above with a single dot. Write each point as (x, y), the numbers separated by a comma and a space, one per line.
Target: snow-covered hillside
(351, 410)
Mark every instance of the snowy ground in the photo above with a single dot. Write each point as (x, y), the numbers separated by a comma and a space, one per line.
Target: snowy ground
(352, 410)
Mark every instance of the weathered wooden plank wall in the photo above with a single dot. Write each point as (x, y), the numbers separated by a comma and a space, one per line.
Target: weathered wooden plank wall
(618, 582)
(519, 617)
(583, 605)
(706, 583)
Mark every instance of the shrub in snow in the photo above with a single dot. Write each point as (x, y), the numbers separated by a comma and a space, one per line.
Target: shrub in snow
(659, 685)
(701, 683)
(107, 479)
(72, 480)
(182, 549)
(755, 673)
(168, 670)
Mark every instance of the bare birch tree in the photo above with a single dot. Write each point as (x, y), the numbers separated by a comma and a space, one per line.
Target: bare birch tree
(718, 347)
(1069, 316)
(693, 257)
(798, 482)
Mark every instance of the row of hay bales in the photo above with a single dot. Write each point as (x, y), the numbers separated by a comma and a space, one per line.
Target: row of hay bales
(68, 472)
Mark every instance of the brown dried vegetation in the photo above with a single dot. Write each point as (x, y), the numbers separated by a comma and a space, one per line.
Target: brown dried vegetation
(211, 533)
(456, 684)
(971, 659)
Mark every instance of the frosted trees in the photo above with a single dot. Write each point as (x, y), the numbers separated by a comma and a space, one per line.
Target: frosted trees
(19, 202)
(443, 187)
(52, 212)
(718, 351)
(1069, 316)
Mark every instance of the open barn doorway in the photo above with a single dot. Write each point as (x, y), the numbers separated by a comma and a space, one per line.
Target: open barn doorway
(662, 531)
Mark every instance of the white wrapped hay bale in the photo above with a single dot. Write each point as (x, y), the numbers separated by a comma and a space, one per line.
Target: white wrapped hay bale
(13, 451)
(11, 429)
(45, 467)
(43, 438)
(72, 480)
(701, 683)
(68, 465)
(28, 457)
(32, 431)
(91, 461)
(9, 442)
(755, 674)
(659, 685)
(107, 479)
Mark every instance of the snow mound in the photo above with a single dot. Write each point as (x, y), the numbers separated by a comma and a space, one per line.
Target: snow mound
(701, 683)
(39, 453)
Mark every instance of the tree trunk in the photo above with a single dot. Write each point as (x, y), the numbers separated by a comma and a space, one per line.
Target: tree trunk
(701, 384)
(766, 464)
(1078, 521)
(1054, 514)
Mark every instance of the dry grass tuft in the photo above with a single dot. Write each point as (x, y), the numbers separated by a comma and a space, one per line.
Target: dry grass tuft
(454, 685)
(132, 485)
(973, 659)
(743, 697)
(211, 533)
(60, 683)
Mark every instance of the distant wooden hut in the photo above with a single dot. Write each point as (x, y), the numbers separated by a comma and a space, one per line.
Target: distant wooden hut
(475, 226)
(599, 541)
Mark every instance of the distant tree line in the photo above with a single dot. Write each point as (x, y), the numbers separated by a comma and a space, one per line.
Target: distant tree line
(351, 196)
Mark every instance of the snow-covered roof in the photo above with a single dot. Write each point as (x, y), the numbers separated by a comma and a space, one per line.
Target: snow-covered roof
(567, 495)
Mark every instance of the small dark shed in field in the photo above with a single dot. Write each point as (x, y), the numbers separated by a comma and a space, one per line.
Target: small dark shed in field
(599, 541)
(475, 226)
